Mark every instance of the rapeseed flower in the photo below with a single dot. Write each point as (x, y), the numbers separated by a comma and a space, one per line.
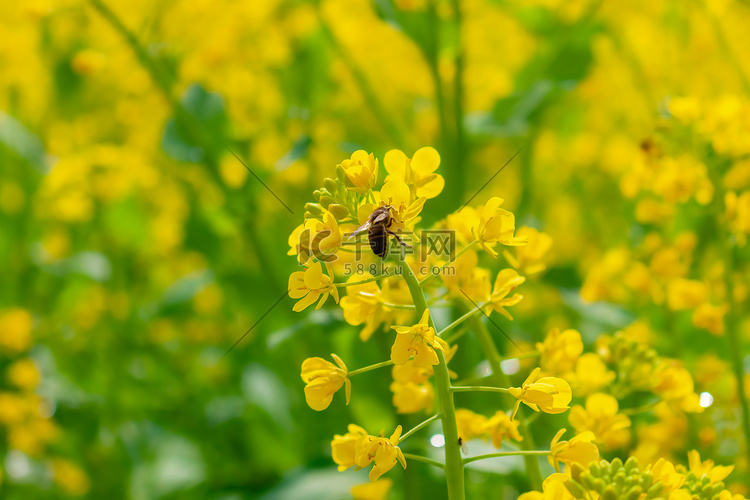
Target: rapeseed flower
(384, 452)
(580, 449)
(560, 351)
(548, 394)
(361, 171)
(310, 285)
(497, 225)
(323, 379)
(419, 341)
(418, 172)
(602, 418)
(507, 280)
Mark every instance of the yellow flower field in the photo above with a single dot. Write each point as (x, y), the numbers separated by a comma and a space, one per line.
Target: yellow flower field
(375, 249)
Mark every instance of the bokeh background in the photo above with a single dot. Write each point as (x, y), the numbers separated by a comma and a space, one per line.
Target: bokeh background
(136, 249)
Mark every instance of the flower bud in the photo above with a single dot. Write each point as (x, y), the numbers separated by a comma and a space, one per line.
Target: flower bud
(330, 185)
(634, 493)
(314, 209)
(338, 211)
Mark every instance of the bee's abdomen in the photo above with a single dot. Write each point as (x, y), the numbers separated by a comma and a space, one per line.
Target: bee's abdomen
(378, 240)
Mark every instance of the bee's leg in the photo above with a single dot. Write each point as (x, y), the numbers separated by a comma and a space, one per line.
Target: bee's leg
(403, 245)
(397, 238)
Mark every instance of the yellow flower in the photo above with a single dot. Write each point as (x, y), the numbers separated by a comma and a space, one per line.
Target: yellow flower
(384, 452)
(361, 171)
(665, 473)
(404, 212)
(580, 449)
(497, 225)
(362, 305)
(419, 341)
(590, 375)
(675, 385)
(548, 394)
(710, 317)
(343, 447)
(553, 488)
(24, 374)
(560, 351)
(507, 280)
(320, 239)
(463, 222)
(600, 417)
(686, 294)
(419, 172)
(376, 490)
(311, 284)
(470, 425)
(411, 397)
(500, 426)
(738, 214)
(70, 477)
(529, 259)
(323, 379)
(15, 329)
(714, 473)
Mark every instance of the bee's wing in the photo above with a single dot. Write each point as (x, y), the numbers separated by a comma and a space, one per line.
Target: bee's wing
(381, 217)
(363, 227)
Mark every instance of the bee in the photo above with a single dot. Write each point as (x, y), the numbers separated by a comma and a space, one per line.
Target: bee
(377, 230)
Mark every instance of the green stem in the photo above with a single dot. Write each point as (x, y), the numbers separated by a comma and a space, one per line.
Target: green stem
(454, 259)
(369, 95)
(432, 50)
(368, 368)
(733, 338)
(479, 388)
(420, 458)
(454, 467)
(494, 358)
(456, 336)
(460, 320)
(360, 282)
(731, 325)
(641, 409)
(419, 427)
(397, 306)
(524, 453)
(458, 108)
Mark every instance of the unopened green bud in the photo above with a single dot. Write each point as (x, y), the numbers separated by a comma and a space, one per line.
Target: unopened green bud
(341, 173)
(599, 484)
(616, 465)
(314, 209)
(317, 194)
(634, 493)
(575, 489)
(576, 470)
(330, 185)
(655, 490)
(325, 201)
(595, 469)
(338, 211)
(588, 481)
(610, 493)
(632, 463)
(646, 480)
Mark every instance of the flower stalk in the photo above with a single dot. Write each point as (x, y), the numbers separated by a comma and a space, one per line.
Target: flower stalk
(494, 358)
(454, 465)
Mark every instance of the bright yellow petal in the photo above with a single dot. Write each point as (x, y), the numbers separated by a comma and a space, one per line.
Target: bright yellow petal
(395, 164)
(425, 161)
